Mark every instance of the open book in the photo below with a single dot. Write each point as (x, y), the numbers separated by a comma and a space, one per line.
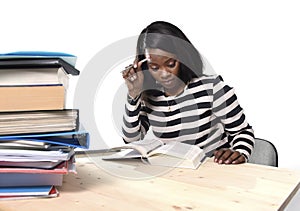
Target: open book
(155, 152)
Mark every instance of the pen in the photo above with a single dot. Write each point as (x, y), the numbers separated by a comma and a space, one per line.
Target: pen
(131, 66)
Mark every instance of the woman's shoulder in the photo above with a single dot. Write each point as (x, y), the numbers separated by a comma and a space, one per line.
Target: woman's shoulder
(207, 79)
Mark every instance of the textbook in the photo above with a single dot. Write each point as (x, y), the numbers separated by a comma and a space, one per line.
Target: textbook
(35, 172)
(29, 176)
(71, 59)
(36, 59)
(13, 193)
(63, 167)
(27, 179)
(31, 164)
(155, 152)
(29, 98)
(28, 122)
(24, 144)
(33, 77)
(76, 139)
(34, 155)
(37, 83)
(17, 63)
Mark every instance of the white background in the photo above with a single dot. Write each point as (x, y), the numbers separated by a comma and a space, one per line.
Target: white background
(254, 45)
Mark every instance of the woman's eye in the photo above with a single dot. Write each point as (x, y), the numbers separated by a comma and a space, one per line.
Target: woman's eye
(154, 68)
(172, 64)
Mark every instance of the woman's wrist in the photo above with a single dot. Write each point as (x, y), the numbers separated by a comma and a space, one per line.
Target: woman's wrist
(133, 98)
(133, 95)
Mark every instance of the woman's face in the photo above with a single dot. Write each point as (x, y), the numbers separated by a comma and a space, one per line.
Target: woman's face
(164, 68)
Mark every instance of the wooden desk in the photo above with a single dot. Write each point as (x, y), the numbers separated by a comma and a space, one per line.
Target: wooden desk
(211, 187)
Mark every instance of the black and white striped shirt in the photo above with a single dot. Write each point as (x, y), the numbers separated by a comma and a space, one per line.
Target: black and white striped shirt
(207, 114)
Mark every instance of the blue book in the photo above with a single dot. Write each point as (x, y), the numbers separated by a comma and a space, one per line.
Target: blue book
(71, 59)
(38, 59)
(38, 63)
(77, 139)
(28, 191)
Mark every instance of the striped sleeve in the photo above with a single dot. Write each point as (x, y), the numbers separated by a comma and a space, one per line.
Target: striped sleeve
(231, 115)
(135, 120)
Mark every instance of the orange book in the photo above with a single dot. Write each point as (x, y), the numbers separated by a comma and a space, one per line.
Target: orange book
(28, 98)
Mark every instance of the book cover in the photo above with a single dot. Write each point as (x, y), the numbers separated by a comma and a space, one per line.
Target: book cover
(62, 168)
(31, 164)
(14, 63)
(25, 179)
(71, 59)
(27, 191)
(77, 139)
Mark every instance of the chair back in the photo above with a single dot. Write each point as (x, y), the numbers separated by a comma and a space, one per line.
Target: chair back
(264, 153)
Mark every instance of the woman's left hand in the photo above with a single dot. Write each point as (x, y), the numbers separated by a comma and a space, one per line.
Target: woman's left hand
(228, 156)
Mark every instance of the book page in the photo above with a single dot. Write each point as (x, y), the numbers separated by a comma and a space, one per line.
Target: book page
(124, 154)
(34, 155)
(23, 144)
(31, 76)
(177, 149)
(177, 154)
(143, 146)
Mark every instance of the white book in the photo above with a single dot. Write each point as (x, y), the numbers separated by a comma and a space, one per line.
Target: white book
(155, 152)
(23, 155)
(34, 76)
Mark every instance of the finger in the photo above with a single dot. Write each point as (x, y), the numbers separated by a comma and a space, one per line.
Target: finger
(240, 159)
(130, 74)
(138, 64)
(141, 62)
(218, 154)
(126, 71)
(138, 73)
(135, 63)
(234, 156)
(129, 83)
(226, 154)
(131, 78)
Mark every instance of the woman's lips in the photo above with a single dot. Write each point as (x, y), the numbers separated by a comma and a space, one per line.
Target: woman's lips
(167, 82)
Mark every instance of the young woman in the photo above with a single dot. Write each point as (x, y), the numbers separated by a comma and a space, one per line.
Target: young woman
(168, 91)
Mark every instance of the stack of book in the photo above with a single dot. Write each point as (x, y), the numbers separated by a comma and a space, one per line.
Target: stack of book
(38, 134)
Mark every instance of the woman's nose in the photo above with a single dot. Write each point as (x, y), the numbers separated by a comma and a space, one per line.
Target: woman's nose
(165, 73)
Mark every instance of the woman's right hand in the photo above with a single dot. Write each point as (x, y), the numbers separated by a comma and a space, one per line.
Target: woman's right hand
(134, 78)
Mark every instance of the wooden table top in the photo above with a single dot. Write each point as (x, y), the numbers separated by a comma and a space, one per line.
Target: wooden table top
(112, 185)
